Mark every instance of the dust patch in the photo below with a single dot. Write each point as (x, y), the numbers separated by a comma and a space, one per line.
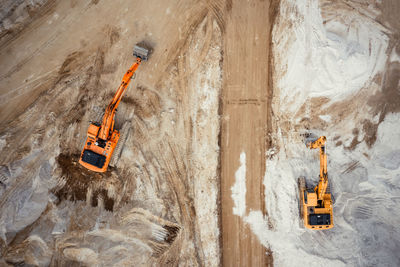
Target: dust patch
(217, 8)
(228, 5)
(112, 35)
(355, 140)
(71, 63)
(390, 14)
(146, 103)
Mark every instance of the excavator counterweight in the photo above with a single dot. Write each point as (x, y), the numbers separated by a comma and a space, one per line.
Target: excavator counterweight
(316, 203)
(102, 139)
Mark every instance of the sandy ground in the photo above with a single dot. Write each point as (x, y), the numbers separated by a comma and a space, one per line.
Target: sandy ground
(335, 75)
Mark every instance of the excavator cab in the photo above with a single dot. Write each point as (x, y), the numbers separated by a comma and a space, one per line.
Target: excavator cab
(316, 203)
(102, 147)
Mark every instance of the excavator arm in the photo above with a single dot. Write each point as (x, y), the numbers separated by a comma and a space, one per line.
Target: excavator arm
(107, 125)
(320, 189)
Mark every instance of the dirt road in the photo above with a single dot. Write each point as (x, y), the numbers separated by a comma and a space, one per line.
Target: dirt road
(245, 113)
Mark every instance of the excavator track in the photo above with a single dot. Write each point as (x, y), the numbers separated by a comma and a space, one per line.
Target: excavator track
(330, 191)
(124, 133)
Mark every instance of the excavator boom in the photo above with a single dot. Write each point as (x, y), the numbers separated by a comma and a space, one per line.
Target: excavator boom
(108, 119)
(323, 170)
(102, 139)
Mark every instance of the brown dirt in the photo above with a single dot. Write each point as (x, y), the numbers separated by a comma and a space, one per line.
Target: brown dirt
(386, 100)
(370, 129)
(145, 103)
(172, 233)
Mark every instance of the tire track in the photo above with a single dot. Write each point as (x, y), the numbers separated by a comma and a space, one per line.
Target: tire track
(177, 175)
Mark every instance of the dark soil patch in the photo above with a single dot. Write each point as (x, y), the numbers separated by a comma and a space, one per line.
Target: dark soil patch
(355, 141)
(370, 130)
(388, 99)
(108, 202)
(172, 233)
(79, 180)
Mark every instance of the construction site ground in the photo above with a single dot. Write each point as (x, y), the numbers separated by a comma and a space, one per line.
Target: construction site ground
(208, 173)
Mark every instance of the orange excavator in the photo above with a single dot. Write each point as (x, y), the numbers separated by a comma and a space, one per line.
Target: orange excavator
(101, 144)
(316, 203)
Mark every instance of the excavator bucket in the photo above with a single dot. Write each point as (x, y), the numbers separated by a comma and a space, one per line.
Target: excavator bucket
(141, 52)
(309, 138)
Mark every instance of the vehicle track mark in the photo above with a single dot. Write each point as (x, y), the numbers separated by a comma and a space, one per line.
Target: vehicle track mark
(8, 39)
(217, 8)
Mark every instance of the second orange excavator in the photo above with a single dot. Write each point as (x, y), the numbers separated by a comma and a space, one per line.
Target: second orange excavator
(316, 203)
(102, 139)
